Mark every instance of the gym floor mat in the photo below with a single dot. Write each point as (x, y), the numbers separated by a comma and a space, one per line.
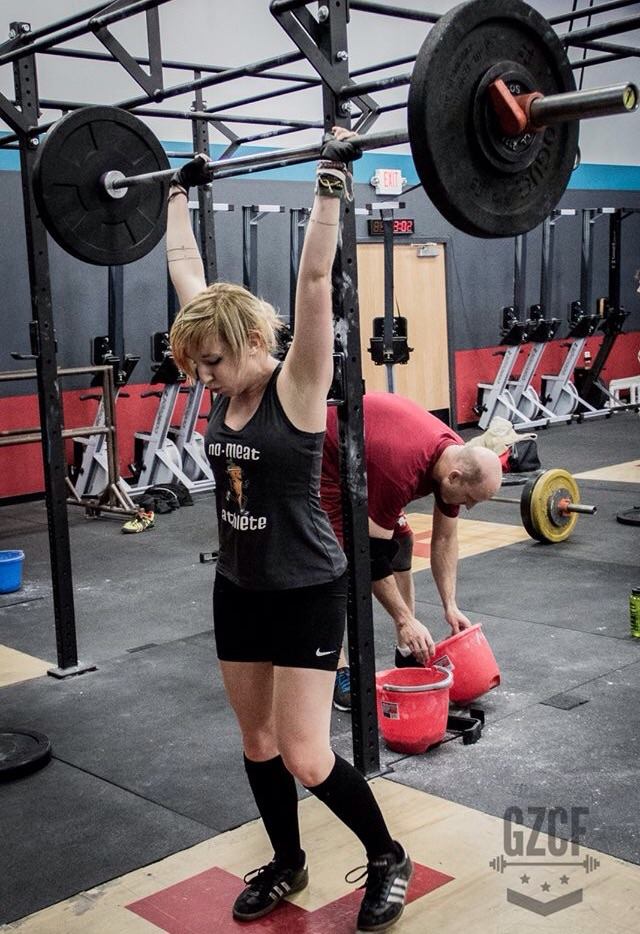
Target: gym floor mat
(473, 537)
(17, 666)
(628, 472)
(470, 874)
(146, 755)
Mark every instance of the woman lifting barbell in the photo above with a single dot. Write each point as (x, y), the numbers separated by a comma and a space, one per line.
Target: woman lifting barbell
(280, 588)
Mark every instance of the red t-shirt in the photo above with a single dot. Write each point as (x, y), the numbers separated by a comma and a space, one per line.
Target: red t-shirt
(402, 445)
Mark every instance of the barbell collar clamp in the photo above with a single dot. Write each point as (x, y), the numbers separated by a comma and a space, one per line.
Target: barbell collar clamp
(521, 113)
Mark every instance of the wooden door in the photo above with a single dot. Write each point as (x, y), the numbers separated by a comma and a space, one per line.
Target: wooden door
(420, 297)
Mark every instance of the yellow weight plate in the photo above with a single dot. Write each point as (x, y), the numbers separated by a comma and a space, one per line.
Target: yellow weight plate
(541, 505)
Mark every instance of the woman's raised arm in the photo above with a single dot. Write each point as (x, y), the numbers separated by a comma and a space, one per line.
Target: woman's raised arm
(309, 363)
(183, 256)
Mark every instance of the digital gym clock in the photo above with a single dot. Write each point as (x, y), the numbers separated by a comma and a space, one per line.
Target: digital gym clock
(402, 226)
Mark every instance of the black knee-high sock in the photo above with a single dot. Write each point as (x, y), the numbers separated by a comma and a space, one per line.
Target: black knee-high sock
(274, 790)
(346, 793)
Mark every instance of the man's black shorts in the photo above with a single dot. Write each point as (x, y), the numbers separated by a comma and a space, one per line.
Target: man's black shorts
(299, 628)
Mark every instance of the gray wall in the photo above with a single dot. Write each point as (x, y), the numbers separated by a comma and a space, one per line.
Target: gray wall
(480, 272)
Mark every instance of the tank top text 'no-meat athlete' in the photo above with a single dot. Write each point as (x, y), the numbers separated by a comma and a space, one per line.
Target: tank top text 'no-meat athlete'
(273, 533)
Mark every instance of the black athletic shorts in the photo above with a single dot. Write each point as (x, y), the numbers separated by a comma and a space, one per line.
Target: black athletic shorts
(299, 628)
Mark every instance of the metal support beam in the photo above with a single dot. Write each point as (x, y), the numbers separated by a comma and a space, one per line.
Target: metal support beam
(90, 25)
(590, 11)
(520, 274)
(206, 228)
(49, 398)
(387, 334)
(297, 225)
(252, 214)
(116, 312)
(366, 750)
(546, 265)
(614, 28)
(366, 6)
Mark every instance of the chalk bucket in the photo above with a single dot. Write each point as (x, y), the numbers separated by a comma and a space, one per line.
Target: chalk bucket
(11, 570)
(469, 656)
(413, 706)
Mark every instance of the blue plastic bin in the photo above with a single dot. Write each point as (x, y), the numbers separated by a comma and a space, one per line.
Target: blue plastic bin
(11, 570)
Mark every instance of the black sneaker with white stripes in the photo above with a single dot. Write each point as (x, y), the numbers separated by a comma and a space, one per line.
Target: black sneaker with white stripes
(266, 887)
(385, 891)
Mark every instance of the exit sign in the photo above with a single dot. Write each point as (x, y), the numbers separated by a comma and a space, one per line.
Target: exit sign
(388, 181)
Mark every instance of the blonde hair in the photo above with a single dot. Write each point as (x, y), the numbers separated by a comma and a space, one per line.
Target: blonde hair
(223, 312)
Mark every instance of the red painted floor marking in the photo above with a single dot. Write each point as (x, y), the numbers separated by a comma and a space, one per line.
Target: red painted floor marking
(422, 544)
(202, 905)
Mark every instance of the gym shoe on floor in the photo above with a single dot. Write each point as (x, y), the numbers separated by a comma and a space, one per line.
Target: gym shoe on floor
(140, 522)
(406, 661)
(266, 887)
(385, 890)
(342, 690)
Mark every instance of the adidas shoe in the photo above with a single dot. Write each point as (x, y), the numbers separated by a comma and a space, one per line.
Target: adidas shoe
(385, 891)
(140, 522)
(342, 690)
(266, 887)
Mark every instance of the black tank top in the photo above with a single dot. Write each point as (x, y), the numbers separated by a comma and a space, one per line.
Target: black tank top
(273, 533)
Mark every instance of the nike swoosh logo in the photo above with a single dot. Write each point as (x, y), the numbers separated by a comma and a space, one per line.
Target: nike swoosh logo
(329, 652)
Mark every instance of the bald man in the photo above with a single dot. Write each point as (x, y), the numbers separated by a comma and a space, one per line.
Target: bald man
(409, 454)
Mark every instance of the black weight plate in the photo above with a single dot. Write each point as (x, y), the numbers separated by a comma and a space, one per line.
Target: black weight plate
(629, 516)
(21, 752)
(76, 210)
(484, 183)
(525, 509)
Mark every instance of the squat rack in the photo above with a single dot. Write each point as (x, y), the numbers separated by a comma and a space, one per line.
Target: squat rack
(322, 41)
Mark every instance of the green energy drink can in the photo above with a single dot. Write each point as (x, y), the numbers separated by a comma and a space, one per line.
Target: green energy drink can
(634, 612)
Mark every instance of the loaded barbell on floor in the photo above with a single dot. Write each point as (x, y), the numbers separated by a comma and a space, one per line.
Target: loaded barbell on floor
(550, 505)
(492, 119)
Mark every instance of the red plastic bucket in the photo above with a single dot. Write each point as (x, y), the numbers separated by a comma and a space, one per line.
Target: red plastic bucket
(413, 707)
(473, 664)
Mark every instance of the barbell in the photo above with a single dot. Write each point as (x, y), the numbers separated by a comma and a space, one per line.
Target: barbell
(492, 117)
(550, 505)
